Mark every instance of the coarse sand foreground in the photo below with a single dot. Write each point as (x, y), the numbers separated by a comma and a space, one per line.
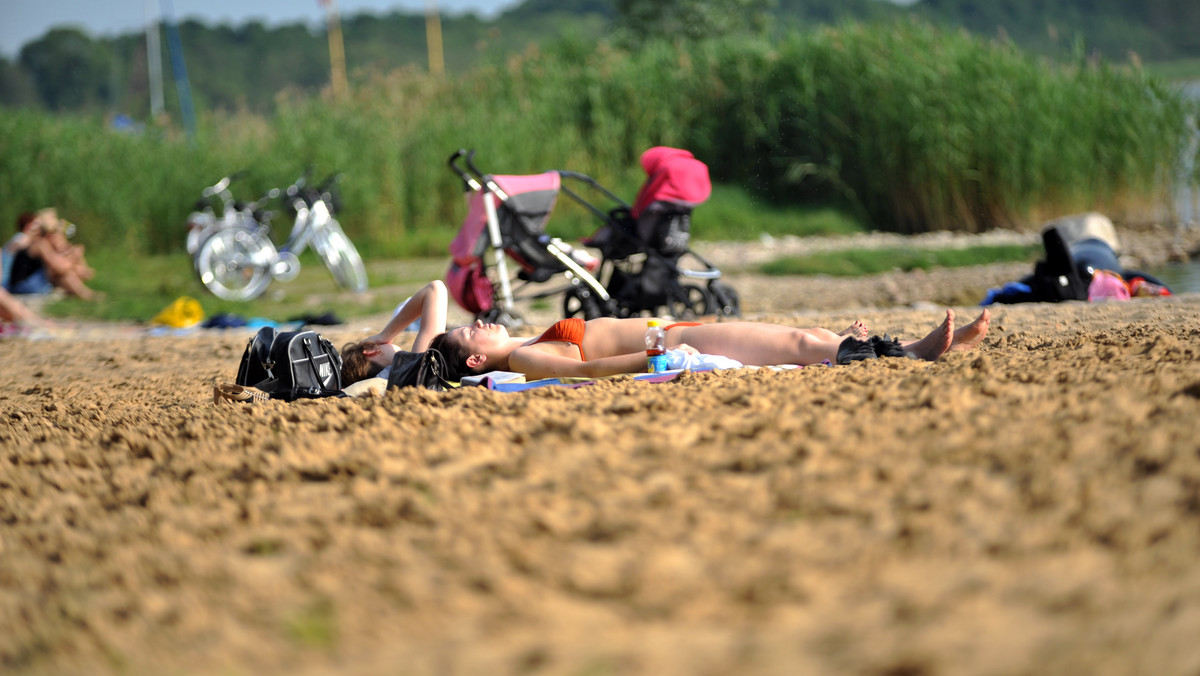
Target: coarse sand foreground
(1032, 506)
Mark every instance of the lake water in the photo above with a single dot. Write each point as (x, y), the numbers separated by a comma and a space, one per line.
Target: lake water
(1181, 277)
(1185, 277)
(1186, 202)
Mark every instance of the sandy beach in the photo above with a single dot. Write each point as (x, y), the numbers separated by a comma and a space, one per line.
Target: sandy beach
(1032, 506)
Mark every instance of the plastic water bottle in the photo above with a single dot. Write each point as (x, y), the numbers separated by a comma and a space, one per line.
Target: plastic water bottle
(656, 347)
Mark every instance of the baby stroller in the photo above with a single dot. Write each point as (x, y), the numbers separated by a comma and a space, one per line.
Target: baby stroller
(643, 247)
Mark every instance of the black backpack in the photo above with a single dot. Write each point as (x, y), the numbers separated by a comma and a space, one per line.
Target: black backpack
(1057, 277)
(419, 369)
(291, 365)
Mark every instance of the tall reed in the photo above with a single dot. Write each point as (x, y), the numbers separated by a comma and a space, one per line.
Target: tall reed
(911, 128)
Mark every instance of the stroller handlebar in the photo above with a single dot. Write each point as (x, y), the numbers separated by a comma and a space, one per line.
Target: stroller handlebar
(480, 179)
(471, 163)
(469, 183)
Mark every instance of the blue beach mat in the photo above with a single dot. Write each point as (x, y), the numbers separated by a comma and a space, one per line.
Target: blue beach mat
(500, 384)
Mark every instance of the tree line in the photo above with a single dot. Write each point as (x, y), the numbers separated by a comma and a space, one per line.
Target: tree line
(247, 66)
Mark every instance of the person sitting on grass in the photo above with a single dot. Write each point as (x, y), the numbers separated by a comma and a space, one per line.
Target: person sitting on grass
(41, 258)
(13, 311)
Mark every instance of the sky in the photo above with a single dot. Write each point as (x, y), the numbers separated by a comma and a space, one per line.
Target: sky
(22, 21)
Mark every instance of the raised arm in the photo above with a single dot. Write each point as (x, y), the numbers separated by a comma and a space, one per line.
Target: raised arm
(429, 305)
(536, 363)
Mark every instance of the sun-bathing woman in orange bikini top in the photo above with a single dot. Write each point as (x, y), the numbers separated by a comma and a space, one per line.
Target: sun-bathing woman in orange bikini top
(571, 330)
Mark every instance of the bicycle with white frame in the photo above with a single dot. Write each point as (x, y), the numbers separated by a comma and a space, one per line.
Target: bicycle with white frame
(239, 262)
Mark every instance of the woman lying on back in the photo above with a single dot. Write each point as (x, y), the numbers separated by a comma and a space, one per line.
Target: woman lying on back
(607, 346)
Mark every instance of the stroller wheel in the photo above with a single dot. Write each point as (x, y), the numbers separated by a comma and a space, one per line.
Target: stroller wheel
(580, 302)
(725, 299)
(690, 302)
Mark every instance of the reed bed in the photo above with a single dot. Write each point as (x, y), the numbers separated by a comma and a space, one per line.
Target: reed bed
(904, 126)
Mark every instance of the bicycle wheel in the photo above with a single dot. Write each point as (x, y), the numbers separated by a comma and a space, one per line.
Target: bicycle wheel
(340, 256)
(235, 263)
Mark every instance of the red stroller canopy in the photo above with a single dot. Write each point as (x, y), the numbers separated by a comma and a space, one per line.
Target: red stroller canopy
(674, 176)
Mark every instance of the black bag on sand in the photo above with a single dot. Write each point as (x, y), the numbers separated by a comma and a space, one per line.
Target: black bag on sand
(291, 365)
(1057, 278)
(419, 369)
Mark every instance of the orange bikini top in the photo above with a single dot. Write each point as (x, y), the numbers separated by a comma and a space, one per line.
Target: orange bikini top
(565, 331)
(571, 331)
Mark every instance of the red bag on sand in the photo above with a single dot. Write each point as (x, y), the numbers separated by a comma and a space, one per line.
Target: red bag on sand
(1140, 287)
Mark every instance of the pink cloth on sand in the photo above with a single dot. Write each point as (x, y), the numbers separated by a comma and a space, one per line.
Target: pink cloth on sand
(1107, 285)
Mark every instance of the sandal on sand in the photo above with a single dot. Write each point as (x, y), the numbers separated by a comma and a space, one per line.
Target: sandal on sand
(236, 394)
(853, 349)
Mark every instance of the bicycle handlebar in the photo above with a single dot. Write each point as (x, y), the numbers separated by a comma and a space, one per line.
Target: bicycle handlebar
(330, 181)
(223, 184)
(298, 185)
(259, 203)
(301, 189)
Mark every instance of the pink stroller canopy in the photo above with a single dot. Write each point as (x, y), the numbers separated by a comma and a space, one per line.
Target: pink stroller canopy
(530, 200)
(674, 176)
(523, 215)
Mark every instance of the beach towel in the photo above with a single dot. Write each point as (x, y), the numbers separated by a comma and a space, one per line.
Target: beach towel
(500, 385)
(508, 381)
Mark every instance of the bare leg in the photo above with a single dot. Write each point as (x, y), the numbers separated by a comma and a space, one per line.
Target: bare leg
(972, 334)
(13, 310)
(73, 285)
(61, 270)
(756, 344)
(936, 343)
(856, 330)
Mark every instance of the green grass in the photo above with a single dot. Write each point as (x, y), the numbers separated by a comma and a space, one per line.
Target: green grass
(138, 289)
(857, 262)
(734, 214)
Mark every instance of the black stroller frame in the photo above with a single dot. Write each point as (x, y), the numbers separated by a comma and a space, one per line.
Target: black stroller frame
(641, 277)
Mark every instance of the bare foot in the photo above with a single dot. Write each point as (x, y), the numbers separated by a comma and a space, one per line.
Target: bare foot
(857, 330)
(972, 334)
(936, 343)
